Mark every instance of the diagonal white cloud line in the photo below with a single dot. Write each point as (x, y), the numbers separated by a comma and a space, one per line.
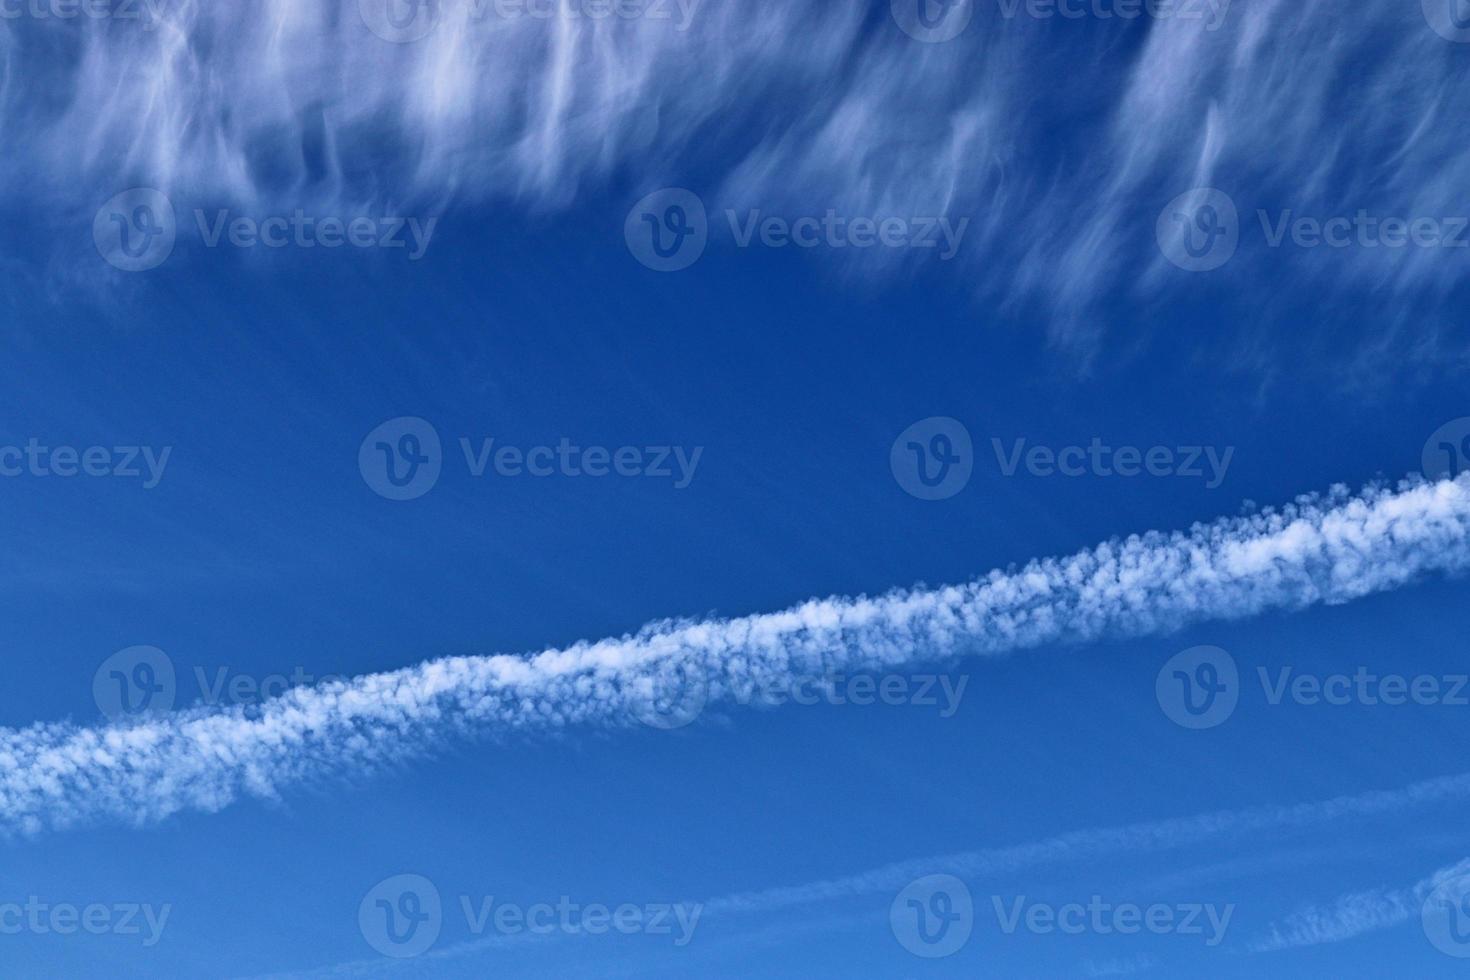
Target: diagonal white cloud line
(1139, 838)
(1356, 913)
(1321, 549)
(1360, 912)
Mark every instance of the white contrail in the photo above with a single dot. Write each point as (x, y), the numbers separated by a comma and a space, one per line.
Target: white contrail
(1321, 549)
(1360, 912)
(1158, 835)
(1355, 913)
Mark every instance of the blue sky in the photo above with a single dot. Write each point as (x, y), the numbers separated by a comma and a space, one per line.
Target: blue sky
(531, 511)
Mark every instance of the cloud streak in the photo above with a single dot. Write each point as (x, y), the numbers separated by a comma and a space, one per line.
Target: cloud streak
(794, 107)
(1140, 838)
(1321, 549)
(1356, 913)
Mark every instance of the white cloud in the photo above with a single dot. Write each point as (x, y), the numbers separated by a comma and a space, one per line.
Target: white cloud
(1061, 141)
(1328, 549)
(1354, 914)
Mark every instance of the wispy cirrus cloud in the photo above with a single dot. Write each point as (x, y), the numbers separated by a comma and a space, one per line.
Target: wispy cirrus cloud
(1327, 549)
(1061, 140)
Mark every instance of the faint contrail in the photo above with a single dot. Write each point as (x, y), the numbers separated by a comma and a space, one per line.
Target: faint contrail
(1321, 549)
(1355, 913)
(1158, 835)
